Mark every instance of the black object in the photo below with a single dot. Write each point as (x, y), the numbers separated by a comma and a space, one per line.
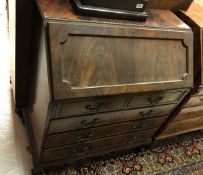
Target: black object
(88, 10)
(21, 65)
(132, 5)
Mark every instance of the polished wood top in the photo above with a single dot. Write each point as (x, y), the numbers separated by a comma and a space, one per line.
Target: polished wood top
(62, 10)
(195, 12)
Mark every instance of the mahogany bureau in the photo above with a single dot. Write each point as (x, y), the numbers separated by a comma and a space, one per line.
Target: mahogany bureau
(101, 85)
(190, 117)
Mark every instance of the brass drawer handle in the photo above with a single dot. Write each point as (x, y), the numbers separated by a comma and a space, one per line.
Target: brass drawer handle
(146, 114)
(92, 123)
(96, 108)
(129, 140)
(136, 126)
(81, 150)
(154, 100)
(85, 137)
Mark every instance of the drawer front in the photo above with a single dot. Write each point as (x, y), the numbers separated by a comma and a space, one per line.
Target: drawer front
(189, 113)
(88, 106)
(182, 127)
(88, 121)
(156, 99)
(88, 148)
(104, 131)
(89, 60)
(194, 101)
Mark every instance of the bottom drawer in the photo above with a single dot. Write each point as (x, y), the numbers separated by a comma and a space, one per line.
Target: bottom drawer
(182, 127)
(86, 149)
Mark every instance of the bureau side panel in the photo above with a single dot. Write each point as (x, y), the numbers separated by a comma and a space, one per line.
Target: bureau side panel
(40, 92)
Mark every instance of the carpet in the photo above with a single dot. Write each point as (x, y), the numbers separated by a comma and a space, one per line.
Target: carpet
(180, 156)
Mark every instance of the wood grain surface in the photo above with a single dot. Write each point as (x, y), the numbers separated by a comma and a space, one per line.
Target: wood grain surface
(89, 60)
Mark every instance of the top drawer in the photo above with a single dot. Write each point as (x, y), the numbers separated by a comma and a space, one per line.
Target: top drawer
(105, 104)
(94, 60)
(156, 99)
(89, 106)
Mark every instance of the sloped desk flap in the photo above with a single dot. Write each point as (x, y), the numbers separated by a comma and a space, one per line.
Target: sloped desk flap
(90, 60)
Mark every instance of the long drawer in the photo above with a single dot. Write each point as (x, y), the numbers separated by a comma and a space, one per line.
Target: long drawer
(189, 113)
(106, 104)
(88, 121)
(104, 131)
(86, 149)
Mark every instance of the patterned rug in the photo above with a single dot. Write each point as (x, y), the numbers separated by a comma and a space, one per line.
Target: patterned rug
(182, 156)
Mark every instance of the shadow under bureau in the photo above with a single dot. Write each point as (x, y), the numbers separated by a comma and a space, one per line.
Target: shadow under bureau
(102, 85)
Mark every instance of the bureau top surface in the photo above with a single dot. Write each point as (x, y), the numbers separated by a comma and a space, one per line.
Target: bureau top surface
(62, 10)
(195, 12)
